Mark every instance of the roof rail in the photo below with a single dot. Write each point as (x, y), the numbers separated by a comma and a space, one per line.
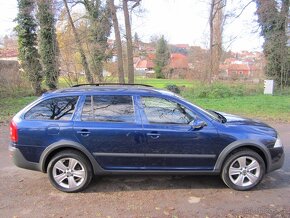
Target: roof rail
(105, 84)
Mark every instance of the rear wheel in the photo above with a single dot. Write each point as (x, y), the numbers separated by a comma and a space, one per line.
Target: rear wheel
(69, 171)
(243, 170)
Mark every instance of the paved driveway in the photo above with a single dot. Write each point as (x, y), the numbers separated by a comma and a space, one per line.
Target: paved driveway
(25, 193)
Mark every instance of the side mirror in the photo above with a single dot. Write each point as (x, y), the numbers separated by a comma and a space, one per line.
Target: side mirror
(197, 124)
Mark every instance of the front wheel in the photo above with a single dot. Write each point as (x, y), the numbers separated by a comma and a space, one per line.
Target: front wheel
(243, 170)
(69, 171)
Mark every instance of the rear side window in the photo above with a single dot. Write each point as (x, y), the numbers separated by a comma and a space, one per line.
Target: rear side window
(107, 108)
(61, 108)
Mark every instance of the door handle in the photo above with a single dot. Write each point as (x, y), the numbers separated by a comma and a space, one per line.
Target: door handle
(153, 135)
(84, 132)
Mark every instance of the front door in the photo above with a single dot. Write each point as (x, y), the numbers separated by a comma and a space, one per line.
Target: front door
(110, 129)
(171, 141)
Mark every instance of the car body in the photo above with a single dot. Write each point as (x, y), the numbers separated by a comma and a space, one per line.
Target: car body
(75, 133)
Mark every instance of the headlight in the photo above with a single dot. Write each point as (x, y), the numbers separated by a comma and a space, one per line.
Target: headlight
(278, 143)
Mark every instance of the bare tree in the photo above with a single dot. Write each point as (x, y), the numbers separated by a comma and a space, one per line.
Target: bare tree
(118, 42)
(130, 64)
(129, 42)
(216, 22)
(79, 45)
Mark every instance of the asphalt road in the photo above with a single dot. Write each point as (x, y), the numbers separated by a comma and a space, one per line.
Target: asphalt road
(25, 193)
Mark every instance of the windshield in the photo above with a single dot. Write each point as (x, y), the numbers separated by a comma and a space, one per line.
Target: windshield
(212, 114)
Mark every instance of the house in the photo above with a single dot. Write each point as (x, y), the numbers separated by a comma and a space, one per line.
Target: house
(238, 70)
(242, 65)
(178, 61)
(8, 54)
(178, 66)
(145, 65)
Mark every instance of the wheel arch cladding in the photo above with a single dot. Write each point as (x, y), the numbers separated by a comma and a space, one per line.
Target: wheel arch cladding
(54, 148)
(238, 145)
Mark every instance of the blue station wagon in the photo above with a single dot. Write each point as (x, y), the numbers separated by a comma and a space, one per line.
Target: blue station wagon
(99, 129)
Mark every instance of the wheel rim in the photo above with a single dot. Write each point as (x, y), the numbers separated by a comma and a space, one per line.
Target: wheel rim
(69, 173)
(244, 171)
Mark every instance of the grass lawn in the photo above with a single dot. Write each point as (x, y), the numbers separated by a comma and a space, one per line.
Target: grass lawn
(267, 108)
(10, 106)
(162, 83)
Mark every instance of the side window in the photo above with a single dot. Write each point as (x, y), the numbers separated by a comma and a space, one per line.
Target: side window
(159, 110)
(60, 108)
(107, 108)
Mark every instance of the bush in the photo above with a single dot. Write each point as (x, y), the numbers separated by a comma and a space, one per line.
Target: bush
(158, 72)
(173, 88)
(220, 90)
(12, 82)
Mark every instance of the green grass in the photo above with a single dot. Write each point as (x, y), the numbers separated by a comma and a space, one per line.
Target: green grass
(264, 107)
(162, 83)
(10, 106)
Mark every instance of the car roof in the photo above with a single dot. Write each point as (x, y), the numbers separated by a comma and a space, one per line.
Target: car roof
(109, 89)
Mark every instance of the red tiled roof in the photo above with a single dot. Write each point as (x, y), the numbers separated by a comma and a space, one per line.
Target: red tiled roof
(178, 61)
(151, 56)
(238, 67)
(146, 63)
(8, 52)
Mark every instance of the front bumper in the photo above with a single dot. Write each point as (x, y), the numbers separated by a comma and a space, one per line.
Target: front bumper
(20, 161)
(277, 158)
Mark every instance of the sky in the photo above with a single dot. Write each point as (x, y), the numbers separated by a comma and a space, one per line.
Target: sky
(180, 21)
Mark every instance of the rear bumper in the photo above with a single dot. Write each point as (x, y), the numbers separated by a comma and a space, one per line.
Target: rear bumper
(277, 158)
(20, 161)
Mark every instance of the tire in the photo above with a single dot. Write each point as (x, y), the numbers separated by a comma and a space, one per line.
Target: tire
(243, 170)
(69, 171)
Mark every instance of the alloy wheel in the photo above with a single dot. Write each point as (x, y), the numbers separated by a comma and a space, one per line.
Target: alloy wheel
(69, 173)
(244, 171)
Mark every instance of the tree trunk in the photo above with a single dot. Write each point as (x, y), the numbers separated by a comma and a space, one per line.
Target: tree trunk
(216, 18)
(79, 45)
(48, 46)
(285, 65)
(211, 17)
(118, 42)
(129, 43)
(217, 37)
(99, 17)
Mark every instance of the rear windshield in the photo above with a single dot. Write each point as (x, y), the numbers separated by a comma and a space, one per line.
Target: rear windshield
(60, 108)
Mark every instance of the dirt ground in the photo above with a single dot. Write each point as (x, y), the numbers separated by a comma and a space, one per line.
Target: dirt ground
(25, 193)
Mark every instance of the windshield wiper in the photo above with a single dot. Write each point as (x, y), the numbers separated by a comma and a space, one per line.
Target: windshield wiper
(220, 117)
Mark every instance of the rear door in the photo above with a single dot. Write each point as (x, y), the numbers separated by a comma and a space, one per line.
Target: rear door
(110, 128)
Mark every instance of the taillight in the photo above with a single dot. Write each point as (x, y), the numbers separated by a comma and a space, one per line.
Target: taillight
(13, 132)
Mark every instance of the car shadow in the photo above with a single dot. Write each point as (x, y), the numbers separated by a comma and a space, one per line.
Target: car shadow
(274, 180)
(153, 182)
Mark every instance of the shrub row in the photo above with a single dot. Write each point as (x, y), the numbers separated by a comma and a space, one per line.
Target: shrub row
(218, 90)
